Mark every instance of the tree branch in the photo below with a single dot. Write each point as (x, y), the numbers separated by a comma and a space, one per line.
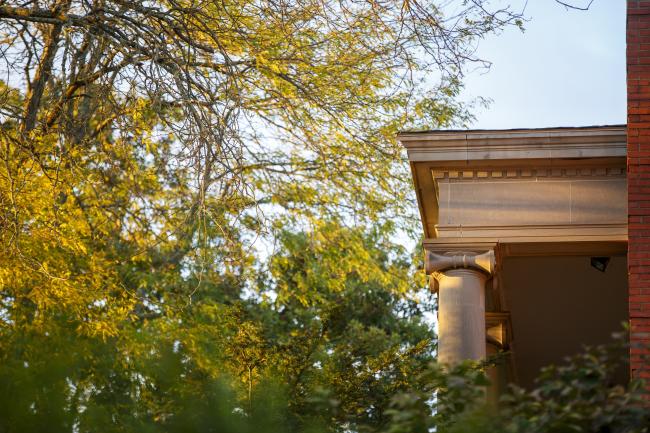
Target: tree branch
(33, 100)
(40, 16)
(570, 6)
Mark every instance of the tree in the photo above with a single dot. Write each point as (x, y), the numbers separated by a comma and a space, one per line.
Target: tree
(256, 96)
(348, 324)
(332, 356)
(143, 148)
(145, 145)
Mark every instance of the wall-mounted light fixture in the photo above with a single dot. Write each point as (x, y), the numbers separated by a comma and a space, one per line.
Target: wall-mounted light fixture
(600, 263)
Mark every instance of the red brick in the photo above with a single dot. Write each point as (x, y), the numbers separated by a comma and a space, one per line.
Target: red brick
(638, 176)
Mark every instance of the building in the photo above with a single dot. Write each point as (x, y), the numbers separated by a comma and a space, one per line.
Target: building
(538, 240)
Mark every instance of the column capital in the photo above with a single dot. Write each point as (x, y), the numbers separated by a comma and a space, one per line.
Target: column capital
(439, 262)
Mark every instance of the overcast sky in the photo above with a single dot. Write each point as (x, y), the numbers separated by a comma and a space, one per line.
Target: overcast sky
(566, 69)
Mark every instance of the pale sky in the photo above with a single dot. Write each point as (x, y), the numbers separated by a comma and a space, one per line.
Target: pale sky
(566, 69)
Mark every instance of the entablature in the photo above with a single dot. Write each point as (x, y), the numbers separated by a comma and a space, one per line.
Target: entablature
(530, 183)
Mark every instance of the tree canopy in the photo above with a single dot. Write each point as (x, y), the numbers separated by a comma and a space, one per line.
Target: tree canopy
(146, 146)
(293, 103)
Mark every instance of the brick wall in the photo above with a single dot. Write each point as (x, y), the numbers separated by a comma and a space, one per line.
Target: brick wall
(638, 175)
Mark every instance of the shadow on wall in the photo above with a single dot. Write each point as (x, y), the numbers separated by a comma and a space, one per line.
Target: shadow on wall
(558, 305)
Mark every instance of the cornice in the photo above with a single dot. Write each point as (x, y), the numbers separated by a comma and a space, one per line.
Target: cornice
(515, 144)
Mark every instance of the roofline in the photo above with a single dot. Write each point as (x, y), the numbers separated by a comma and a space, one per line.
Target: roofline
(467, 145)
(469, 134)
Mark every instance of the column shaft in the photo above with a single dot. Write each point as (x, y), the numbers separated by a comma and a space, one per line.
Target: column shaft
(461, 315)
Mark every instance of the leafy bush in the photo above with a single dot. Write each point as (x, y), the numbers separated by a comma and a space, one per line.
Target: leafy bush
(581, 396)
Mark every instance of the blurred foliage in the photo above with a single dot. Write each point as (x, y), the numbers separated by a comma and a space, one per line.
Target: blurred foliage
(84, 384)
(583, 395)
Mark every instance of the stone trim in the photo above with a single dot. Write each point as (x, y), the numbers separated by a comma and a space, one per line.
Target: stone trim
(561, 245)
(498, 327)
(436, 263)
(540, 233)
(596, 142)
(550, 134)
(526, 173)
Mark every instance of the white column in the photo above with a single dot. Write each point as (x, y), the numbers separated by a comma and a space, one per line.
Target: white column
(461, 303)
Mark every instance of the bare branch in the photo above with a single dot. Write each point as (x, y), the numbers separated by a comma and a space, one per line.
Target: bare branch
(570, 6)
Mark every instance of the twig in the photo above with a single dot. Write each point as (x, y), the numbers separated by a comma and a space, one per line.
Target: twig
(569, 6)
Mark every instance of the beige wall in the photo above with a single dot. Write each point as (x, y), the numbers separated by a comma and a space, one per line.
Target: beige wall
(534, 200)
